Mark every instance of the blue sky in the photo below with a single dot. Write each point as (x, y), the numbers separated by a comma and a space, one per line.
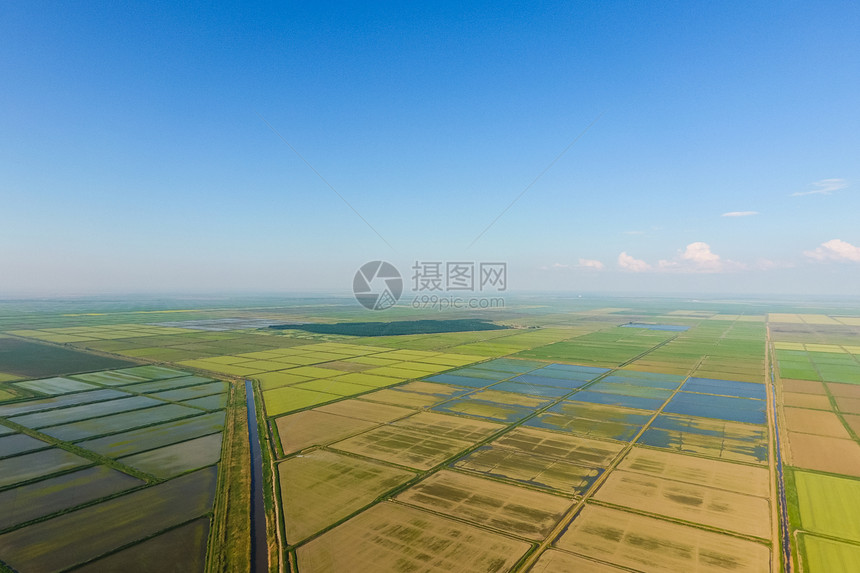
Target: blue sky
(137, 158)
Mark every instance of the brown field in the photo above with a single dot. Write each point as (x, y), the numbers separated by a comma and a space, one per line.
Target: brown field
(555, 561)
(510, 398)
(321, 488)
(523, 467)
(552, 444)
(502, 506)
(823, 453)
(653, 545)
(814, 422)
(392, 537)
(689, 502)
(845, 390)
(848, 405)
(446, 426)
(401, 398)
(734, 477)
(404, 447)
(362, 410)
(853, 422)
(315, 428)
(804, 386)
(801, 400)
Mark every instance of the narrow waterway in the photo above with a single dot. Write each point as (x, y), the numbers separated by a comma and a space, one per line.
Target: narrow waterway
(259, 547)
(786, 533)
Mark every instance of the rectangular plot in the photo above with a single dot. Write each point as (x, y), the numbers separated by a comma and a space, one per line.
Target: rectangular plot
(314, 428)
(178, 458)
(531, 389)
(800, 400)
(531, 469)
(109, 378)
(404, 447)
(118, 422)
(433, 389)
(271, 380)
(167, 384)
(19, 444)
(553, 561)
(738, 478)
(566, 383)
(828, 504)
(182, 549)
(81, 535)
(483, 409)
(647, 379)
(814, 422)
(33, 360)
(618, 400)
(154, 372)
(289, 399)
(823, 555)
(727, 440)
(570, 448)
(156, 436)
(192, 391)
(214, 402)
(583, 427)
(449, 426)
(392, 537)
(55, 386)
(52, 495)
(365, 410)
(510, 365)
(372, 380)
(510, 398)
(29, 466)
(848, 405)
(320, 488)
(510, 508)
(653, 545)
(719, 407)
(694, 503)
(334, 386)
(75, 413)
(823, 453)
(401, 398)
(630, 390)
(59, 402)
(463, 381)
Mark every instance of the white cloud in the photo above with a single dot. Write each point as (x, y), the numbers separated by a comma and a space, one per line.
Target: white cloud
(823, 187)
(739, 214)
(628, 263)
(699, 254)
(835, 250)
(591, 264)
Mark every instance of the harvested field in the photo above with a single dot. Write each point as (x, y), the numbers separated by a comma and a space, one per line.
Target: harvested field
(391, 537)
(728, 476)
(814, 422)
(554, 561)
(823, 453)
(524, 468)
(800, 400)
(362, 410)
(404, 447)
(446, 426)
(316, 428)
(320, 488)
(652, 545)
(694, 503)
(510, 508)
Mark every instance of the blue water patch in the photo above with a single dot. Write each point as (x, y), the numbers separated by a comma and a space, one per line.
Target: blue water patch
(470, 407)
(592, 370)
(532, 389)
(718, 407)
(618, 400)
(656, 382)
(668, 327)
(726, 388)
(460, 380)
(509, 365)
(546, 381)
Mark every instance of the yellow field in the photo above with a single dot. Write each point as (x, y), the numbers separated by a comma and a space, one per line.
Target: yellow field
(365, 410)
(814, 422)
(734, 477)
(652, 545)
(502, 506)
(720, 509)
(392, 537)
(554, 561)
(403, 447)
(320, 488)
(823, 453)
(314, 428)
